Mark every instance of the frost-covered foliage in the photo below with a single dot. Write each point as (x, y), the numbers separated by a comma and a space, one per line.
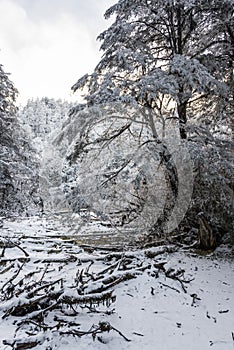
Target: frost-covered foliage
(213, 181)
(23, 169)
(43, 117)
(155, 58)
(50, 179)
(8, 110)
(155, 49)
(18, 174)
(126, 166)
(111, 164)
(107, 170)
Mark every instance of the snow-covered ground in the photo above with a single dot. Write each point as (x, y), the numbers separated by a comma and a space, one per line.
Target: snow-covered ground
(154, 312)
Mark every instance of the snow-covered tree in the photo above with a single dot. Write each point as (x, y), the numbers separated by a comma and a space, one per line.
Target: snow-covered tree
(154, 55)
(42, 117)
(8, 94)
(157, 73)
(8, 110)
(115, 167)
(18, 164)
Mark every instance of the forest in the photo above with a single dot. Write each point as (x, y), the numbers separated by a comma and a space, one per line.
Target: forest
(116, 213)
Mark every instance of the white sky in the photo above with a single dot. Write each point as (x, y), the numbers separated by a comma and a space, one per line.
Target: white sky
(47, 45)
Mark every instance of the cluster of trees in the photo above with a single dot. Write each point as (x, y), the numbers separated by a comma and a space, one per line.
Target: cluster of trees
(25, 139)
(42, 118)
(166, 70)
(18, 162)
(151, 146)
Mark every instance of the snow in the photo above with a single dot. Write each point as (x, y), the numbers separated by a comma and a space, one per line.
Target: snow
(168, 321)
(154, 313)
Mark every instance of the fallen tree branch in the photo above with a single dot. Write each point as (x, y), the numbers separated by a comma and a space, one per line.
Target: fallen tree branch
(25, 343)
(103, 326)
(18, 246)
(166, 285)
(72, 299)
(13, 277)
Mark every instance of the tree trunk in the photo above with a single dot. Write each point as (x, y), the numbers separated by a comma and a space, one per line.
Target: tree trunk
(206, 236)
(170, 175)
(182, 109)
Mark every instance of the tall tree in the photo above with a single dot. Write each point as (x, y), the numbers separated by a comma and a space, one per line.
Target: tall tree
(18, 166)
(8, 110)
(8, 94)
(171, 58)
(154, 53)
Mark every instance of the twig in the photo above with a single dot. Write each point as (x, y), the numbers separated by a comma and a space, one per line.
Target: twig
(18, 246)
(112, 280)
(7, 268)
(43, 274)
(45, 286)
(13, 277)
(88, 267)
(23, 308)
(223, 311)
(28, 286)
(139, 334)
(110, 267)
(3, 251)
(41, 326)
(175, 276)
(166, 285)
(195, 297)
(36, 314)
(103, 326)
(120, 333)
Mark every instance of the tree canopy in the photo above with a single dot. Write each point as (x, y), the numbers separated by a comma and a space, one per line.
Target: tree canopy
(165, 63)
(18, 175)
(161, 54)
(8, 94)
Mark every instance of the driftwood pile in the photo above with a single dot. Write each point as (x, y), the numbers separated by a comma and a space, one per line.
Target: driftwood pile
(45, 297)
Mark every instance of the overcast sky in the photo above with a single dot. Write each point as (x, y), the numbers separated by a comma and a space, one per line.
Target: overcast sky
(47, 45)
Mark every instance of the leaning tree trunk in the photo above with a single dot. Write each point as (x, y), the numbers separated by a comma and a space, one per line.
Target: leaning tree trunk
(171, 176)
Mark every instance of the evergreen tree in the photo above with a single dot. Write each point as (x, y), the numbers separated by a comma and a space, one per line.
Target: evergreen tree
(8, 94)
(162, 51)
(18, 165)
(174, 60)
(42, 117)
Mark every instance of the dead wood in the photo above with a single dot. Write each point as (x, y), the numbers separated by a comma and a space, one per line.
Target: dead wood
(69, 259)
(24, 345)
(13, 277)
(92, 248)
(166, 285)
(31, 298)
(103, 326)
(175, 275)
(91, 298)
(19, 247)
